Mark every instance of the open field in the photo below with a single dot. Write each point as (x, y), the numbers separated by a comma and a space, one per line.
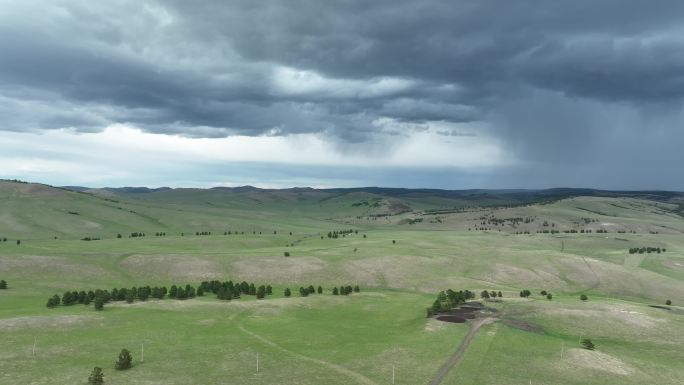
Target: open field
(326, 339)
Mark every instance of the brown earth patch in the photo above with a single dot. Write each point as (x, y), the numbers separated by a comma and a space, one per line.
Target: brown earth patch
(173, 267)
(524, 325)
(275, 269)
(59, 322)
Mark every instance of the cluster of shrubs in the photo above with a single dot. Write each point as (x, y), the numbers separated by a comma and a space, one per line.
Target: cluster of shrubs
(449, 299)
(648, 250)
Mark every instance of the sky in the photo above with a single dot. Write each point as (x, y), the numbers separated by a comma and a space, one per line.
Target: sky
(454, 94)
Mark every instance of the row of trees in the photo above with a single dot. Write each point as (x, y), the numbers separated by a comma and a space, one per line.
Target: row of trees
(647, 250)
(341, 233)
(100, 297)
(449, 299)
(490, 294)
(228, 290)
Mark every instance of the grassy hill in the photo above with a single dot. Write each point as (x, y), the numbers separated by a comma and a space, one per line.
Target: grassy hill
(407, 246)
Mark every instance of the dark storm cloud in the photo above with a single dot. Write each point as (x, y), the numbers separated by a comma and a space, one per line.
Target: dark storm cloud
(549, 79)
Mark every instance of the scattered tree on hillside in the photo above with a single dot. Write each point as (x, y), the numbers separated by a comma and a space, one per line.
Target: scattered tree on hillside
(311, 289)
(335, 292)
(584, 297)
(18, 242)
(118, 236)
(500, 295)
(3, 284)
(261, 292)
(394, 241)
(484, 294)
(525, 293)
(356, 289)
(96, 377)
(668, 302)
(125, 360)
(587, 344)
(492, 294)
(549, 296)
(287, 253)
(543, 292)
(269, 290)
(288, 292)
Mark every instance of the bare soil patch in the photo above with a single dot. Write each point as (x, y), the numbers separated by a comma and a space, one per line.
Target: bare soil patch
(47, 322)
(596, 360)
(173, 267)
(523, 325)
(275, 269)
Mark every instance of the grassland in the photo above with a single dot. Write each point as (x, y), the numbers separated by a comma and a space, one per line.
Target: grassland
(326, 339)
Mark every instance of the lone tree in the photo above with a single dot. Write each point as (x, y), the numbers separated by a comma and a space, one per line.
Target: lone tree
(3, 284)
(587, 344)
(584, 297)
(287, 253)
(668, 302)
(96, 376)
(124, 361)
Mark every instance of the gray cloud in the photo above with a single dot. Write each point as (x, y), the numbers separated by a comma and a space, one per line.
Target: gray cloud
(562, 83)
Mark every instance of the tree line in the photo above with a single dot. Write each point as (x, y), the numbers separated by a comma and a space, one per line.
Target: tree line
(100, 297)
(647, 250)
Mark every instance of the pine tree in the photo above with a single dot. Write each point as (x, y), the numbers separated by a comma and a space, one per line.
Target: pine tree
(320, 290)
(335, 292)
(3, 284)
(500, 295)
(125, 360)
(484, 294)
(96, 377)
(269, 290)
(99, 303)
(261, 292)
(311, 289)
(288, 292)
(356, 289)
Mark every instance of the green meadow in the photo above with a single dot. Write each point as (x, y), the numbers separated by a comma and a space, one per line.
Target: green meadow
(401, 253)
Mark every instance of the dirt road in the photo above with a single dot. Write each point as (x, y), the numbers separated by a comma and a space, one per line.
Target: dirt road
(458, 355)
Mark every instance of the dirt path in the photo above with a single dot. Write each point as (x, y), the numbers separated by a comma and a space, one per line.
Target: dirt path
(458, 355)
(358, 377)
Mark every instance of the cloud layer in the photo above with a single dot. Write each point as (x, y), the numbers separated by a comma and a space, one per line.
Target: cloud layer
(526, 93)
